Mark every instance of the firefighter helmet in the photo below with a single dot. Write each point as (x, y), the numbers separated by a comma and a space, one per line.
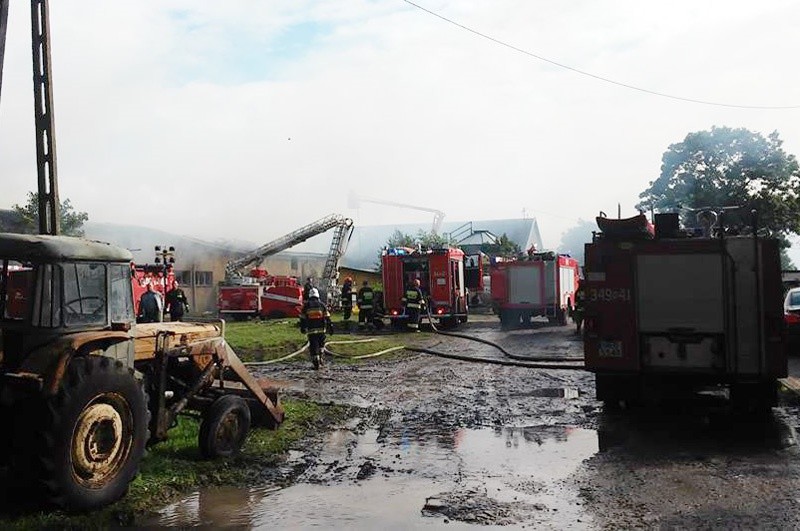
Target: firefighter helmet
(313, 293)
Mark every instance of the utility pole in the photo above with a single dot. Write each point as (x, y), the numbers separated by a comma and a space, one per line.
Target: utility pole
(3, 27)
(49, 206)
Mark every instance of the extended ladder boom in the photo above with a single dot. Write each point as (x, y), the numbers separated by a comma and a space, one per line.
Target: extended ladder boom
(286, 241)
(341, 236)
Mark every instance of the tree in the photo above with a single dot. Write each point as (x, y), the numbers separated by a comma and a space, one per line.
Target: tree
(727, 167)
(504, 246)
(573, 240)
(71, 220)
(425, 239)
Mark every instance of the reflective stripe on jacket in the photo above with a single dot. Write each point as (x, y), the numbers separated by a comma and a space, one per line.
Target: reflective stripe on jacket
(413, 298)
(365, 296)
(314, 317)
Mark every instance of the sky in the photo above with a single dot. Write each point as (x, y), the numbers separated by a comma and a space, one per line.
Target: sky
(244, 120)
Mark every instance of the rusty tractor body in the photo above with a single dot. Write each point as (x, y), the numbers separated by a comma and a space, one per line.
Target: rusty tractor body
(84, 389)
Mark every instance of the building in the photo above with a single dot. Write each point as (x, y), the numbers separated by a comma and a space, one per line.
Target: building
(200, 265)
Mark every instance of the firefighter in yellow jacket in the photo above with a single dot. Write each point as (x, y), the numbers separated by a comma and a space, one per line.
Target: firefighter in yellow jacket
(315, 320)
(366, 302)
(413, 303)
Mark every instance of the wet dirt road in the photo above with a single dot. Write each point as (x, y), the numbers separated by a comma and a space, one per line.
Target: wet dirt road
(437, 443)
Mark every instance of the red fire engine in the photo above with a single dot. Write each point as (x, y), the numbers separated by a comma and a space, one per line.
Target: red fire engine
(539, 285)
(260, 294)
(150, 274)
(441, 276)
(669, 311)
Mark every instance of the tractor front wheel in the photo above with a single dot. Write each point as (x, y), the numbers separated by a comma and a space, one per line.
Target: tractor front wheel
(224, 428)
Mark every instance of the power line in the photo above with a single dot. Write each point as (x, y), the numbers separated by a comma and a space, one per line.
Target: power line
(595, 76)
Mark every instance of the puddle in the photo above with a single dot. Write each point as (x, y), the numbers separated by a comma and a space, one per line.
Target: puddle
(399, 479)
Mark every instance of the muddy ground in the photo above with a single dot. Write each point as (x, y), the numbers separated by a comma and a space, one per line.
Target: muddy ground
(436, 442)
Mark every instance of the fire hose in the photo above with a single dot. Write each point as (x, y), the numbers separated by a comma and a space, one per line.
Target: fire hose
(532, 362)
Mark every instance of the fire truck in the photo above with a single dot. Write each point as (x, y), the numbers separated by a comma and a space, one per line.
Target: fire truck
(540, 284)
(259, 294)
(144, 274)
(441, 275)
(671, 311)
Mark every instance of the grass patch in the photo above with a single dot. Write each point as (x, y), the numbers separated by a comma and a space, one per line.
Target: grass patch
(174, 467)
(264, 340)
(272, 339)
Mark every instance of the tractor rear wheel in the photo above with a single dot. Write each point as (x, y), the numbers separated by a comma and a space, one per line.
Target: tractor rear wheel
(89, 439)
(224, 428)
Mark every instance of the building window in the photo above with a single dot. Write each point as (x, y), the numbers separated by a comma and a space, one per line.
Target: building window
(184, 277)
(294, 264)
(203, 278)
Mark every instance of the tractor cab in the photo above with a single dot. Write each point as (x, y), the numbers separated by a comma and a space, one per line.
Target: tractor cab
(55, 285)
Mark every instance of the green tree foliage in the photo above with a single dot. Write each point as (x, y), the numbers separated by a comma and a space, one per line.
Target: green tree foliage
(400, 239)
(730, 167)
(426, 239)
(71, 220)
(503, 247)
(573, 240)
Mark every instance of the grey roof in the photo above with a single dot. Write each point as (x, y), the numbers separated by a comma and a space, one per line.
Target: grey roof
(363, 251)
(37, 247)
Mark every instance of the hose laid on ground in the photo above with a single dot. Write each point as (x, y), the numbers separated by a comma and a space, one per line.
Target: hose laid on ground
(506, 363)
(498, 347)
(552, 362)
(373, 355)
(269, 362)
(456, 356)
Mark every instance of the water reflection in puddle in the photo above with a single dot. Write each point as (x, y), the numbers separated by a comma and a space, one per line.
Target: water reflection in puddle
(518, 469)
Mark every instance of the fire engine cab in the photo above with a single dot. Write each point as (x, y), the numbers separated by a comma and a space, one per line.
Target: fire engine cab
(670, 311)
(441, 275)
(540, 284)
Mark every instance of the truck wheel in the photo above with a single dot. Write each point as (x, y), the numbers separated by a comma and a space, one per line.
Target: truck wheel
(89, 438)
(224, 427)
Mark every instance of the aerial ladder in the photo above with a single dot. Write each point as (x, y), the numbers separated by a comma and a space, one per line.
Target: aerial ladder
(255, 293)
(234, 268)
(438, 216)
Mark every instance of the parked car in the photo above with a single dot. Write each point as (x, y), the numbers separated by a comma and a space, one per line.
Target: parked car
(791, 316)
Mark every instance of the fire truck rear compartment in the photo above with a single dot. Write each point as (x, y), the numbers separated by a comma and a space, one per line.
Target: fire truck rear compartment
(673, 333)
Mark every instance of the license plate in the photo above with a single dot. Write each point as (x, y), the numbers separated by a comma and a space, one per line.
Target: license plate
(610, 349)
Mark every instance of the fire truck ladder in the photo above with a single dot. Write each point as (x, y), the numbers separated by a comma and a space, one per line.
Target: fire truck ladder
(234, 267)
(341, 236)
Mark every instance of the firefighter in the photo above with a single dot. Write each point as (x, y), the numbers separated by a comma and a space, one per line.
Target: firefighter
(365, 301)
(315, 320)
(307, 288)
(177, 303)
(577, 312)
(413, 303)
(347, 298)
